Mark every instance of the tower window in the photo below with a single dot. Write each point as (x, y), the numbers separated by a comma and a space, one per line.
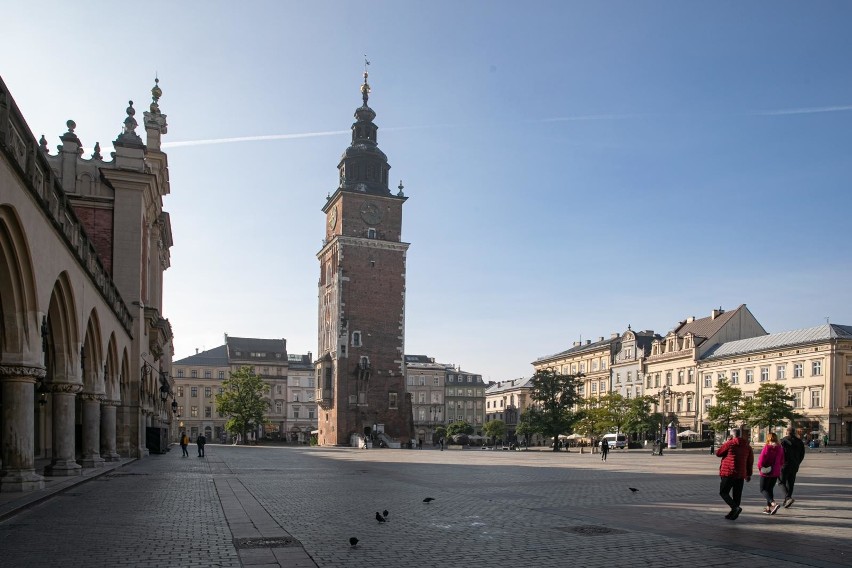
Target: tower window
(356, 339)
(371, 233)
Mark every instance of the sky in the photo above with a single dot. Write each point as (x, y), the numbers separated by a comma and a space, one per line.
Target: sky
(572, 168)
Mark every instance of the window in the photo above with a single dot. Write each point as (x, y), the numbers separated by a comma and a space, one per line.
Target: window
(411, 380)
(208, 374)
(706, 404)
(797, 399)
(180, 373)
(798, 370)
(180, 410)
(849, 366)
(451, 392)
(193, 411)
(356, 339)
(310, 395)
(279, 406)
(648, 382)
(735, 377)
(208, 392)
(469, 379)
(628, 353)
(689, 404)
(583, 367)
(595, 365)
(278, 389)
(594, 387)
(780, 372)
(657, 380)
(180, 391)
(617, 378)
(193, 392)
(764, 374)
(848, 397)
(691, 376)
(603, 386)
(296, 409)
(629, 376)
(295, 381)
(194, 374)
(708, 381)
(208, 412)
(371, 233)
(720, 377)
(816, 398)
(392, 398)
(311, 413)
(296, 395)
(680, 405)
(422, 381)
(680, 377)
(221, 375)
(816, 368)
(435, 382)
(221, 390)
(603, 364)
(749, 376)
(421, 397)
(311, 382)
(669, 378)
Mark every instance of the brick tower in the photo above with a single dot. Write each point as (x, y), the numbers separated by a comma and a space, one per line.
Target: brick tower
(360, 364)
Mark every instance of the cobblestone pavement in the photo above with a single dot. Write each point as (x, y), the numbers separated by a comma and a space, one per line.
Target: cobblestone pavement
(298, 507)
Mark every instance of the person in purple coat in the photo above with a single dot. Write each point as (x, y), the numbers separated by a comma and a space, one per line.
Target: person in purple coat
(769, 465)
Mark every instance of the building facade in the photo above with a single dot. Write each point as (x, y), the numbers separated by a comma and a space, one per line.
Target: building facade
(360, 369)
(465, 396)
(425, 381)
(628, 364)
(814, 364)
(590, 360)
(301, 408)
(507, 401)
(85, 352)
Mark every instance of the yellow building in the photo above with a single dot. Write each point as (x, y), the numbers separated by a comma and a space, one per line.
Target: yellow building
(590, 359)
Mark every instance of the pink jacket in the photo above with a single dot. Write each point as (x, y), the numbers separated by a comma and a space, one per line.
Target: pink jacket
(771, 455)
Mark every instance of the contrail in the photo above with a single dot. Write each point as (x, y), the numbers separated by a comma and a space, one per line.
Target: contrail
(806, 110)
(252, 138)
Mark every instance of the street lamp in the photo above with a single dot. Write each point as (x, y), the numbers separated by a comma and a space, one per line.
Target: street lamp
(839, 412)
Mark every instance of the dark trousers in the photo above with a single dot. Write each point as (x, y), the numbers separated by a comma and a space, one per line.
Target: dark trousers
(201, 450)
(767, 484)
(731, 483)
(183, 447)
(788, 480)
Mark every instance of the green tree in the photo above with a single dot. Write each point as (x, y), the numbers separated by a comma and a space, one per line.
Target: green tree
(554, 396)
(495, 429)
(459, 427)
(440, 432)
(243, 401)
(726, 412)
(616, 410)
(591, 419)
(525, 427)
(769, 407)
(639, 419)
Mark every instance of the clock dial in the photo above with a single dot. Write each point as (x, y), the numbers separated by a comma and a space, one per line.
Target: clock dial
(332, 218)
(371, 213)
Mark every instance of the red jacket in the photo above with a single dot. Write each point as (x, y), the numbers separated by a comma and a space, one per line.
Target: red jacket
(737, 459)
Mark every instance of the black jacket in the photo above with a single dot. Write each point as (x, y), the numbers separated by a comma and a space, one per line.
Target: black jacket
(794, 452)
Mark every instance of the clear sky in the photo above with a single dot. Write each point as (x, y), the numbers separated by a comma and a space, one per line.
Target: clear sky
(571, 167)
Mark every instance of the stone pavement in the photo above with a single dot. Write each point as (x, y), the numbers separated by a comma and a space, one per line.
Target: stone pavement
(298, 506)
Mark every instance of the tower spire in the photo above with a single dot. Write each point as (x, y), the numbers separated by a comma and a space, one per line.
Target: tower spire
(365, 88)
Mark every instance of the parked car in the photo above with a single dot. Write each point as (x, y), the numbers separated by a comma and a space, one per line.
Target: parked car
(616, 440)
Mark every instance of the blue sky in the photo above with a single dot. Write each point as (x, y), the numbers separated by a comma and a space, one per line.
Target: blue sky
(572, 167)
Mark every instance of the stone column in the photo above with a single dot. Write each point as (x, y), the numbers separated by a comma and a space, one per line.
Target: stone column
(91, 430)
(18, 387)
(63, 462)
(108, 425)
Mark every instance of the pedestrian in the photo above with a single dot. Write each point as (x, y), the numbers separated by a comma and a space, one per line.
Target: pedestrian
(769, 465)
(794, 454)
(184, 442)
(201, 440)
(441, 442)
(825, 440)
(734, 470)
(604, 449)
(420, 443)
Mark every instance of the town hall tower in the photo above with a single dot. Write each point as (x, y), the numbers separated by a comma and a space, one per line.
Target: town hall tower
(360, 379)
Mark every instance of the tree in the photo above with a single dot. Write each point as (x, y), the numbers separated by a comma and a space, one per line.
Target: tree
(769, 407)
(554, 395)
(616, 407)
(726, 411)
(525, 427)
(591, 419)
(440, 432)
(639, 419)
(460, 427)
(495, 429)
(243, 401)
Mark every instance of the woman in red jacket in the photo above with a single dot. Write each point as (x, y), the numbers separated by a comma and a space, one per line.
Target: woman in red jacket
(769, 465)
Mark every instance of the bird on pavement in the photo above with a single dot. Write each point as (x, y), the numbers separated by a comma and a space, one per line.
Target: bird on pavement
(385, 513)
(428, 499)
(353, 541)
(633, 489)
(380, 518)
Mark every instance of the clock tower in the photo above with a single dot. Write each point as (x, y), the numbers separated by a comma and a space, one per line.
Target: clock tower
(360, 378)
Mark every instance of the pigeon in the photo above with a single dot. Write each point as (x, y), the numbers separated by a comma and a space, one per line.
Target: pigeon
(385, 513)
(353, 541)
(428, 499)
(633, 489)
(380, 518)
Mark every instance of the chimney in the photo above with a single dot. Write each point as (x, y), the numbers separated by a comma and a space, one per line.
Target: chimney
(613, 336)
(310, 357)
(690, 319)
(716, 313)
(588, 342)
(576, 343)
(600, 338)
(196, 350)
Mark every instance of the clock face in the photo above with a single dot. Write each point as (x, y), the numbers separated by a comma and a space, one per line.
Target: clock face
(332, 218)
(370, 213)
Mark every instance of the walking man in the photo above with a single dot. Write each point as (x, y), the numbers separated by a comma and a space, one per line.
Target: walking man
(735, 469)
(184, 442)
(604, 449)
(794, 454)
(201, 440)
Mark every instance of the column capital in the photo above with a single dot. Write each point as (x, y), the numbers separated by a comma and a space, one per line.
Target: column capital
(67, 388)
(21, 373)
(98, 397)
(107, 402)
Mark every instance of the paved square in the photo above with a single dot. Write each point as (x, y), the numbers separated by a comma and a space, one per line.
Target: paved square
(298, 506)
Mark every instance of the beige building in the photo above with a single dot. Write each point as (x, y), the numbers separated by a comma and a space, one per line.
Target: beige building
(465, 396)
(85, 355)
(814, 364)
(590, 359)
(198, 378)
(424, 381)
(507, 401)
(671, 368)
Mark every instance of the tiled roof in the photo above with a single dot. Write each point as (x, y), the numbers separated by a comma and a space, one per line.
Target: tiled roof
(578, 349)
(216, 357)
(300, 361)
(776, 340)
(503, 386)
(248, 345)
(706, 327)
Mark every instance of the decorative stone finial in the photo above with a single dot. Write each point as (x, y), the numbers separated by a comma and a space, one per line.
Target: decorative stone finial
(128, 134)
(365, 88)
(71, 126)
(400, 194)
(70, 136)
(156, 93)
(96, 155)
(42, 143)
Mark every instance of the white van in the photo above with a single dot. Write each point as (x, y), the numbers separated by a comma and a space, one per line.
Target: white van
(615, 440)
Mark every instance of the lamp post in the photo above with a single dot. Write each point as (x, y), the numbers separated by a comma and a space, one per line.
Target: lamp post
(839, 412)
(665, 393)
